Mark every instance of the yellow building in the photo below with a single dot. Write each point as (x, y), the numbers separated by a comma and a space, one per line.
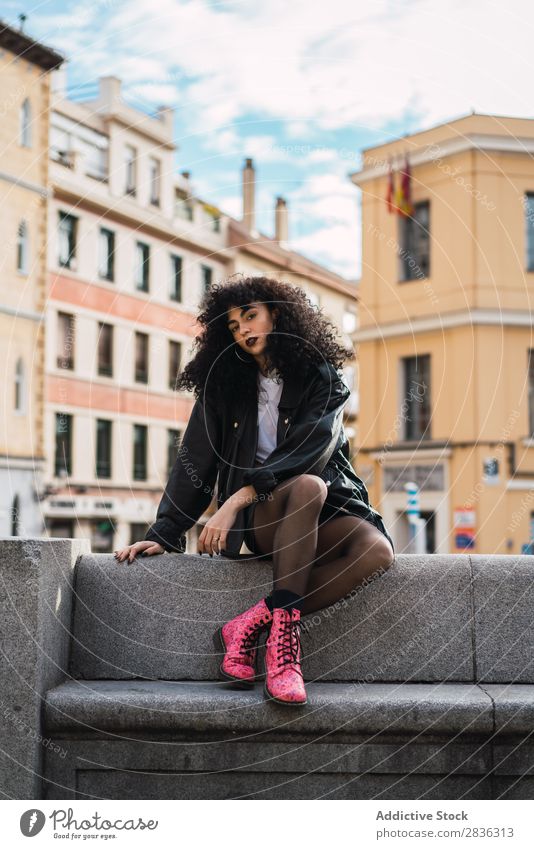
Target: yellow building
(446, 360)
(25, 69)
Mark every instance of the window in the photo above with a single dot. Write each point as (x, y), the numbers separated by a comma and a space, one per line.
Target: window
(173, 445)
(105, 349)
(141, 358)
(22, 248)
(183, 206)
(106, 253)
(96, 162)
(176, 278)
(142, 266)
(103, 448)
(130, 166)
(529, 222)
(19, 386)
(26, 124)
(15, 516)
(65, 340)
(531, 393)
(68, 225)
(139, 452)
(63, 454)
(155, 174)
(175, 358)
(416, 401)
(207, 276)
(414, 256)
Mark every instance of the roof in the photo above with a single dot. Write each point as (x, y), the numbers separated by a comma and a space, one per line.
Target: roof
(33, 51)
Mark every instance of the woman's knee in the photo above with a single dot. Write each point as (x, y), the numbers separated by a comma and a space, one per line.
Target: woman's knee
(374, 556)
(307, 489)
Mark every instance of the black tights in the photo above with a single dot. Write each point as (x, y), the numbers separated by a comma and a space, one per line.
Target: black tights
(321, 564)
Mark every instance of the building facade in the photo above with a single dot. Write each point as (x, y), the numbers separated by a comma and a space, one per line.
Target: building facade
(130, 253)
(446, 344)
(25, 71)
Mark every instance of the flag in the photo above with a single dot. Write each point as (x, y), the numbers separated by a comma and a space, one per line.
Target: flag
(403, 199)
(391, 189)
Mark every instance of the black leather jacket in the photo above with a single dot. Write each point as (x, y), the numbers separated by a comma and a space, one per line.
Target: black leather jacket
(219, 447)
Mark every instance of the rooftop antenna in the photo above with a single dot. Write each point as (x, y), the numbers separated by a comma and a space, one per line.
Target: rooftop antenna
(22, 18)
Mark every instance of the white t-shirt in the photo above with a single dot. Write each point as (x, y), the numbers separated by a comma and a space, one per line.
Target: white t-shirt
(270, 390)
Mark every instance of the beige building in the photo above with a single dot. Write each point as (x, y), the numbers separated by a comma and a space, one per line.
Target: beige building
(25, 67)
(446, 348)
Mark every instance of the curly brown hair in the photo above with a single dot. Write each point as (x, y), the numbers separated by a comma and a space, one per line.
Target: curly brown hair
(303, 336)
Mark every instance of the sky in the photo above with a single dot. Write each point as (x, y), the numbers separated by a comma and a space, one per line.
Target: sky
(302, 86)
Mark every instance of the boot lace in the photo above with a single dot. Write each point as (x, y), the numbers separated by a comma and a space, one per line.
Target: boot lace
(289, 643)
(251, 637)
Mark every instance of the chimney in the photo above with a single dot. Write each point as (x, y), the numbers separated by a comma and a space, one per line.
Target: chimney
(248, 195)
(109, 96)
(281, 222)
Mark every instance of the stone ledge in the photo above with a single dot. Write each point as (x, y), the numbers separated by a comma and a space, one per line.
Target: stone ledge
(150, 706)
(155, 619)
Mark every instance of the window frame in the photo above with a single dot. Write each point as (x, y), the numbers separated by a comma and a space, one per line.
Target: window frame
(139, 429)
(58, 468)
(141, 375)
(130, 181)
(72, 236)
(176, 259)
(23, 248)
(103, 466)
(61, 358)
(413, 429)
(142, 281)
(109, 273)
(103, 369)
(412, 234)
(25, 128)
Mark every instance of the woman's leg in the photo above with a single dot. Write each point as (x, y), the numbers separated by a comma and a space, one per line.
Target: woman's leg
(349, 551)
(286, 527)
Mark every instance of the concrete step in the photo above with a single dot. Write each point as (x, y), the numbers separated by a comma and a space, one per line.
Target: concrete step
(445, 617)
(207, 707)
(204, 740)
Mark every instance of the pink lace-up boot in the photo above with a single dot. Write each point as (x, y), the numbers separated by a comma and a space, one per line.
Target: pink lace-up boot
(239, 640)
(284, 682)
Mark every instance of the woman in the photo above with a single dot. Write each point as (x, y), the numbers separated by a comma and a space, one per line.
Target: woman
(267, 427)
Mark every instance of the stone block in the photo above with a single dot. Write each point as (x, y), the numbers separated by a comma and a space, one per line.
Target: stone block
(35, 619)
(503, 594)
(155, 619)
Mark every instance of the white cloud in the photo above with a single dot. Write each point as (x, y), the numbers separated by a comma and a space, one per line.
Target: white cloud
(326, 65)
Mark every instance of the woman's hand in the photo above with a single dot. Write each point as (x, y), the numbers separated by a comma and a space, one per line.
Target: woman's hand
(145, 546)
(213, 537)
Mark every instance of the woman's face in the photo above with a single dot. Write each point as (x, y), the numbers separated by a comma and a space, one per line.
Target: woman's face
(250, 326)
